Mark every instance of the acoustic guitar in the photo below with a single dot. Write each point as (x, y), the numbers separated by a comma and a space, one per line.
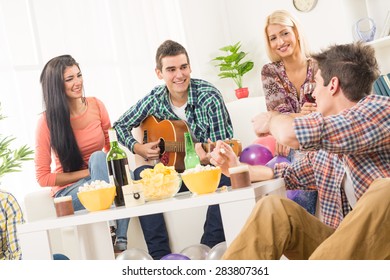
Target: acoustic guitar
(171, 136)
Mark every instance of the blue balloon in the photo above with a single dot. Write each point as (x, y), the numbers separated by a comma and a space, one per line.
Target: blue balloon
(175, 257)
(256, 154)
(275, 160)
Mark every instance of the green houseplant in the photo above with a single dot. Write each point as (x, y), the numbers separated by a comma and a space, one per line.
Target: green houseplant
(231, 65)
(11, 159)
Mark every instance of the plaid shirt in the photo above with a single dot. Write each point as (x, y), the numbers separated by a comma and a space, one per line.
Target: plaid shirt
(10, 215)
(358, 138)
(206, 113)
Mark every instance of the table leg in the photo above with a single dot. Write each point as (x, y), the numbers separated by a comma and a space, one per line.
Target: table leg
(35, 245)
(234, 216)
(95, 241)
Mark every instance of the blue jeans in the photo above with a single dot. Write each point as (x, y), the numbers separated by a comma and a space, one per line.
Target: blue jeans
(153, 227)
(213, 232)
(155, 231)
(97, 166)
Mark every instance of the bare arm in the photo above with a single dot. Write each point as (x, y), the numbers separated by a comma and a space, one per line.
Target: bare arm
(224, 157)
(70, 177)
(281, 126)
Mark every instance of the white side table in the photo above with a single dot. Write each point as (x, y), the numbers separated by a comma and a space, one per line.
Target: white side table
(92, 228)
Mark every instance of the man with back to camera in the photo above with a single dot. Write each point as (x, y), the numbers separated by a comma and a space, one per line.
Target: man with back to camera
(198, 103)
(348, 140)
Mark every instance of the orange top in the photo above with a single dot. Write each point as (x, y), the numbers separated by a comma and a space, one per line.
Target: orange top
(91, 133)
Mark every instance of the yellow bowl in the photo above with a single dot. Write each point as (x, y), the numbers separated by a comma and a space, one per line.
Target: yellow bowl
(202, 182)
(98, 199)
(162, 190)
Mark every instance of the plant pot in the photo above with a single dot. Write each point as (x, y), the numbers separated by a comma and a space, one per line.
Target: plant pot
(242, 92)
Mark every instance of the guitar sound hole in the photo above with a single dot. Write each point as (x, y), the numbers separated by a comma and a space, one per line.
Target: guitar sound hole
(161, 145)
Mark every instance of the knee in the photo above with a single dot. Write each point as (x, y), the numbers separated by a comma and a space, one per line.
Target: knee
(270, 202)
(378, 191)
(138, 170)
(98, 156)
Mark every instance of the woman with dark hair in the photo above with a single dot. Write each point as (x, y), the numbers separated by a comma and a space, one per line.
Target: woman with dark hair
(72, 132)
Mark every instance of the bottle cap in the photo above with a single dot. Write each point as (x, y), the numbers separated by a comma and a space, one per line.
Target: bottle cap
(112, 135)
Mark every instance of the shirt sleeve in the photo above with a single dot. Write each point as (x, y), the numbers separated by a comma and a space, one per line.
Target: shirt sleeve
(14, 217)
(298, 175)
(275, 94)
(361, 129)
(221, 127)
(42, 158)
(133, 118)
(106, 124)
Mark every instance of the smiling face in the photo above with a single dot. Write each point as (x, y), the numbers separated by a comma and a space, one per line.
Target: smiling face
(175, 72)
(282, 40)
(73, 82)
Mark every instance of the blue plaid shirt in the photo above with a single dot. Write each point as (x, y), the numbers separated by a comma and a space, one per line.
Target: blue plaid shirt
(358, 138)
(206, 113)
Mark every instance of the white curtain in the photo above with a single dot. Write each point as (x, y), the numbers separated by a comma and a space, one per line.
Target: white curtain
(113, 41)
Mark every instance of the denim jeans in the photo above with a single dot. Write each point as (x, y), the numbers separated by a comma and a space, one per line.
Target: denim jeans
(155, 231)
(213, 232)
(153, 228)
(97, 166)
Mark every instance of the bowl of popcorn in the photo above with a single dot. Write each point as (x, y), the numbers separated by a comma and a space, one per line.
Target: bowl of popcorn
(98, 195)
(160, 182)
(202, 179)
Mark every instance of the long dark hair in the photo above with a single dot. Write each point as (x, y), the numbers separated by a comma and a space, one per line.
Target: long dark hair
(63, 141)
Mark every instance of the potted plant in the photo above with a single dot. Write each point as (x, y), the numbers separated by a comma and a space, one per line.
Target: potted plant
(11, 159)
(232, 66)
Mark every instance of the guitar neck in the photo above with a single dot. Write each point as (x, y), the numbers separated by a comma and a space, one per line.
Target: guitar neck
(179, 147)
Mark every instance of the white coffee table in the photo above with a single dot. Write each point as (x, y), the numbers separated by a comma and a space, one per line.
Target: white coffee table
(92, 228)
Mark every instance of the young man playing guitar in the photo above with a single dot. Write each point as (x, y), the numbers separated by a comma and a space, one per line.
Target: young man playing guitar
(201, 106)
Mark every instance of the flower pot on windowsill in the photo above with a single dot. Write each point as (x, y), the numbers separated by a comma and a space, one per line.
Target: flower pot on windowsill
(242, 92)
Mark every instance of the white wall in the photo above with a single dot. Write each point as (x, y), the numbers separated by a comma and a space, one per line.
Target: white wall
(115, 41)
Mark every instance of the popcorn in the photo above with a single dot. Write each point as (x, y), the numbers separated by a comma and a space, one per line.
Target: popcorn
(199, 168)
(94, 185)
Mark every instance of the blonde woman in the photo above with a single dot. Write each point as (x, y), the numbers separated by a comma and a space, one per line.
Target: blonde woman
(288, 80)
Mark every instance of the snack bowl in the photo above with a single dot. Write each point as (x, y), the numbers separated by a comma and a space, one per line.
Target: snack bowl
(97, 199)
(202, 180)
(159, 182)
(157, 190)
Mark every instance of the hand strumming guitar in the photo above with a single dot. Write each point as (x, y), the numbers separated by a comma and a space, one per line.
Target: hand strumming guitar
(149, 151)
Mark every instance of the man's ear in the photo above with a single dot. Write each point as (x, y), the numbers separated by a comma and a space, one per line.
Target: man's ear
(334, 85)
(158, 73)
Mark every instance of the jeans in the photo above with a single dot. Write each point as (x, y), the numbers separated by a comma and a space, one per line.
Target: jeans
(155, 231)
(97, 166)
(153, 228)
(213, 232)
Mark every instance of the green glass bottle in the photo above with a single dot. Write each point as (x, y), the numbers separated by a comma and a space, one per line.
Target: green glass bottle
(118, 167)
(191, 159)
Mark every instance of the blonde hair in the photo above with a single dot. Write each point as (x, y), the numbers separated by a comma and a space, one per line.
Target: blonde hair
(283, 17)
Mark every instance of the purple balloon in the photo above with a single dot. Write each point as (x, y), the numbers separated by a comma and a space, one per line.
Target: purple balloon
(256, 154)
(277, 159)
(176, 257)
